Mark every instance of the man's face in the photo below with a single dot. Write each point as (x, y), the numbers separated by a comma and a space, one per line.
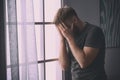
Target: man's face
(69, 24)
(72, 25)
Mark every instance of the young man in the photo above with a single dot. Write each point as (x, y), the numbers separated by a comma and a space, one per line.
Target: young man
(82, 46)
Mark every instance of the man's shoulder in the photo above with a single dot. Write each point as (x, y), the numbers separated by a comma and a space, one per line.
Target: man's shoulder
(93, 27)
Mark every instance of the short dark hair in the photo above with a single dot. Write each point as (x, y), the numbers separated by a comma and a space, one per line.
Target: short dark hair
(64, 14)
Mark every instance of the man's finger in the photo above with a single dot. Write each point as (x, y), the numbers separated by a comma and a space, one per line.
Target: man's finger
(61, 27)
(72, 26)
(64, 25)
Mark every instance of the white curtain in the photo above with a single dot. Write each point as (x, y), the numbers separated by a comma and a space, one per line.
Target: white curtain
(22, 40)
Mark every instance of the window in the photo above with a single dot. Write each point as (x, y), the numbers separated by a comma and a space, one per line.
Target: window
(46, 37)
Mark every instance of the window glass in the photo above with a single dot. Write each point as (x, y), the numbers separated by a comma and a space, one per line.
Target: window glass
(7, 47)
(41, 71)
(53, 71)
(19, 8)
(51, 42)
(39, 41)
(9, 74)
(38, 10)
(51, 7)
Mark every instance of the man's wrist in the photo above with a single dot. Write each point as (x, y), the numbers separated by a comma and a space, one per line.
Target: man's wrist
(71, 41)
(62, 39)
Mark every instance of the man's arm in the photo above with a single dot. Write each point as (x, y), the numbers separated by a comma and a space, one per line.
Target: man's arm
(83, 56)
(63, 56)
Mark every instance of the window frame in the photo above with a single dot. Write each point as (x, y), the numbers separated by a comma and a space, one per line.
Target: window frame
(44, 61)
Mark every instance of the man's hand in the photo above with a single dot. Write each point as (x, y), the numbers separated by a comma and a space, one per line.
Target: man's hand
(60, 34)
(63, 54)
(66, 32)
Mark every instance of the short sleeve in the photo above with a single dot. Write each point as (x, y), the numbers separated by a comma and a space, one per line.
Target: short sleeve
(95, 38)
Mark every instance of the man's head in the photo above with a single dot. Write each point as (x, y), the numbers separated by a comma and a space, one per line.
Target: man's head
(65, 15)
(68, 16)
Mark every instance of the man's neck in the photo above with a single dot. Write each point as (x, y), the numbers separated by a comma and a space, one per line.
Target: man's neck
(81, 25)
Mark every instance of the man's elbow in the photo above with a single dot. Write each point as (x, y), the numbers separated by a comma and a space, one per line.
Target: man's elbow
(84, 65)
(64, 67)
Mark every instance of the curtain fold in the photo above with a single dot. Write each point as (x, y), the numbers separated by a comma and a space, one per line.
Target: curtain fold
(110, 21)
(13, 41)
(22, 40)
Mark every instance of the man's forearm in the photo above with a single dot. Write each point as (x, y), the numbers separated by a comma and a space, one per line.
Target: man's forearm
(63, 56)
(83, 56)
(77, 52)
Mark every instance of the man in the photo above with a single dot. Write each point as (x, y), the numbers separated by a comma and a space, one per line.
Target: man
(82, 46)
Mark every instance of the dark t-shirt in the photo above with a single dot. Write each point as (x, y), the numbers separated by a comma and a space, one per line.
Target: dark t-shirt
(91, 36)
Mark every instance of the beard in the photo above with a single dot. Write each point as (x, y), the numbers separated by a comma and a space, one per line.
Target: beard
(76, 30)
